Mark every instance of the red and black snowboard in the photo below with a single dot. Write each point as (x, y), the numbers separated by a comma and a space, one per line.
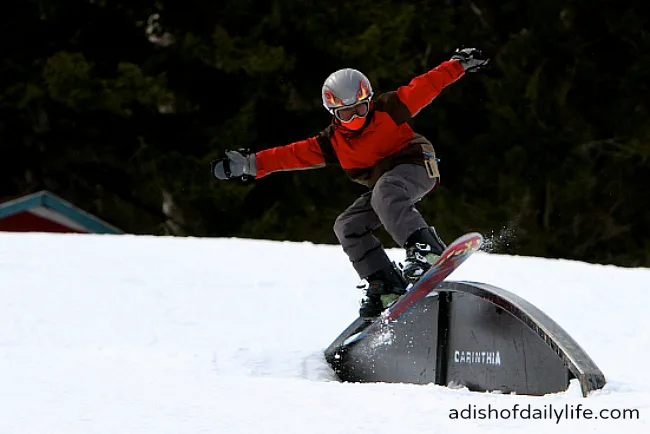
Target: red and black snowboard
(454, 255)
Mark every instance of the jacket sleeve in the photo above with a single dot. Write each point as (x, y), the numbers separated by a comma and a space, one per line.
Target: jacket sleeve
(304, 154)
(424, 88)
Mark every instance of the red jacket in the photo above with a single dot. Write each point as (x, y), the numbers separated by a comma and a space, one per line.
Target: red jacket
(385, 141)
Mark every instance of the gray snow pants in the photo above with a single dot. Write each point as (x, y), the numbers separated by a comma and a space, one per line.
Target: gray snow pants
(390, 203)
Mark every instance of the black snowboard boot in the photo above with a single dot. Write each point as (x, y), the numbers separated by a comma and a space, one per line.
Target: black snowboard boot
(422, 249)
(384, 287)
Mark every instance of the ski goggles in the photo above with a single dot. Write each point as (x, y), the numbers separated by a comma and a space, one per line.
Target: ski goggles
(347, 113)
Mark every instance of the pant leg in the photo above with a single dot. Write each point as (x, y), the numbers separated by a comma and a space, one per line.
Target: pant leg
(354, 228)
(394, 197)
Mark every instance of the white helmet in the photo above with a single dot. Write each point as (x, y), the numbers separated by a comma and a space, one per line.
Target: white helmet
(345, 88)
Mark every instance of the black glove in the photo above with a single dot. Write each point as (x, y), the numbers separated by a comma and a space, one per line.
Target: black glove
(471, 59)
(237, 164)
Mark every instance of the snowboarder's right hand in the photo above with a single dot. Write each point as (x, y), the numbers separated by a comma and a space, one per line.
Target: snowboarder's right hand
(237, 164)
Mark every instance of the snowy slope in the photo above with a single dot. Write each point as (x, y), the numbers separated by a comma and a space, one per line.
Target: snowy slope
(153, 335)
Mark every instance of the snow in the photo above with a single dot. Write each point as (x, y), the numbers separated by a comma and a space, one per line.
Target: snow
(153, 335)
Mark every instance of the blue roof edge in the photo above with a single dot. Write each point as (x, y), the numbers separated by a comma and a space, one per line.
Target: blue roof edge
(21, 204)
(45, 198)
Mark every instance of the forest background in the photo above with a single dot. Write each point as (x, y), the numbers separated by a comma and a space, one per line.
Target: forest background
(119, 107)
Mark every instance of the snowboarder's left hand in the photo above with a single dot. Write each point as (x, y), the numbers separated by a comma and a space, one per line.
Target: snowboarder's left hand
(237, 164)
(471, 59)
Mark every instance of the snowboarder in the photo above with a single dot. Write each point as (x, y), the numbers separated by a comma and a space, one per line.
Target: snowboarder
(374, 144)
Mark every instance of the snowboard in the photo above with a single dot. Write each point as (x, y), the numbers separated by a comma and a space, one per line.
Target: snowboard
(453, 256)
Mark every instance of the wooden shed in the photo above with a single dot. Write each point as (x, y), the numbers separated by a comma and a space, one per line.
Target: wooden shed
(46, 212)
